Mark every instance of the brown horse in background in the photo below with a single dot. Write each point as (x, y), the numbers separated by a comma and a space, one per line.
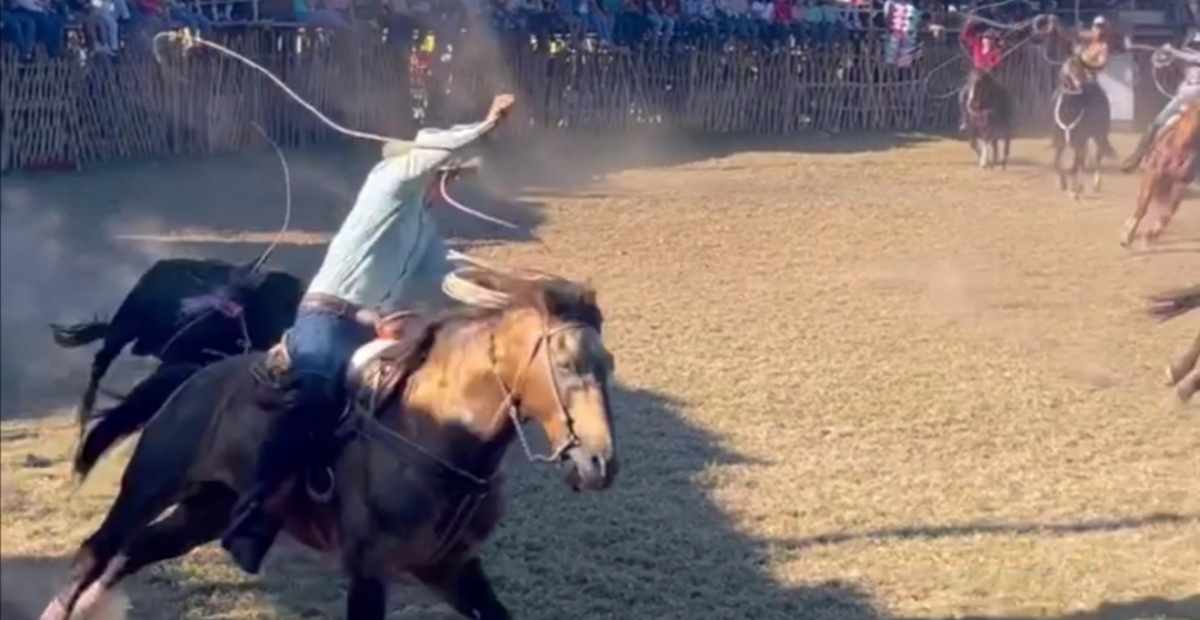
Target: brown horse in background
(1082, 114)
(413, 484)
(1172, 164)
(1184, 373)
(989, 116)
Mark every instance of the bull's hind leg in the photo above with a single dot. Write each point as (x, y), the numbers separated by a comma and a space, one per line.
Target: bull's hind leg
(115, 340)
(466, 588)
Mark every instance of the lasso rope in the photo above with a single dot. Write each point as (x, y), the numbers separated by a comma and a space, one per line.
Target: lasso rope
(189, 40)
(972, 15)
(460, 285)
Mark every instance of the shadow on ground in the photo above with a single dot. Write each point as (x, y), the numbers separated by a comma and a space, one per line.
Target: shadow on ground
(656, 546)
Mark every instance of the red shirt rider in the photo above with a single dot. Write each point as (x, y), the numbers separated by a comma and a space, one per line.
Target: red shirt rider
(985, 50)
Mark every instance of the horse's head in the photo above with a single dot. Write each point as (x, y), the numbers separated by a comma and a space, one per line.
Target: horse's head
(551, 361)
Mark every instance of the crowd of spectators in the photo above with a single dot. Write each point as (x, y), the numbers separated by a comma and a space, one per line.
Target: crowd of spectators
(108, 26)
(694, 23)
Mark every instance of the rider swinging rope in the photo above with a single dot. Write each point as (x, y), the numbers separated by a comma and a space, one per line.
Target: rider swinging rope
(388, 257)
(1188, 92)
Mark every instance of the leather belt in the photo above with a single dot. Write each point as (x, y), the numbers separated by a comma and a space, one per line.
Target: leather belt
(340, 307)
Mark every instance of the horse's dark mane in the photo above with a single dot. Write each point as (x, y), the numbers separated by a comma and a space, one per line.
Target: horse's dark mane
(556, 298)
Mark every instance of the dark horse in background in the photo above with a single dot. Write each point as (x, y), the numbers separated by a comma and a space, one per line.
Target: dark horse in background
(186, 313)
(989, 120)
(1184, 373)
(1082, 114)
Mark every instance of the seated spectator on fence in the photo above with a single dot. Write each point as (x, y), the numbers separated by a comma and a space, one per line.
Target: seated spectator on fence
(399, 21)
(594, 19)
(19, 29)
(784, 29)
(315, 13)
(100, 23)
(736, 21)
(762, 13)
(662, 22)
(49, 26)
(566, 21)
(180, 14)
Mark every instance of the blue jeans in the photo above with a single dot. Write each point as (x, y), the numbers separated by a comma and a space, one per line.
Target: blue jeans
(191, 20)
(49, 28)
(1187, 93)
(21, 30)
(319, 347)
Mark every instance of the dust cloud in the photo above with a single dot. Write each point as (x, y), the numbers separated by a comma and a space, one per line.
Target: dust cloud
(27, 585)
(55, 265)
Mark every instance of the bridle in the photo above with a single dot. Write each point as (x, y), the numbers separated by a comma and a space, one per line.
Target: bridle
(511, 405)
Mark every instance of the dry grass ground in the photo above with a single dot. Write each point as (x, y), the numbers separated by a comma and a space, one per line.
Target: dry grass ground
(854, 384)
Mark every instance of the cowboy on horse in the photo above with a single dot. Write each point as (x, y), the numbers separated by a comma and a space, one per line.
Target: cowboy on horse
(386, 257)
(1188, 92)
(983, 44)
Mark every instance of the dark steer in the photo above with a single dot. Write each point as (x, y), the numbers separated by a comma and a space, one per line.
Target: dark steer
(188, 312)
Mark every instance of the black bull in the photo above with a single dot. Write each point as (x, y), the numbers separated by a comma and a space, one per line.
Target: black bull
(153, 319)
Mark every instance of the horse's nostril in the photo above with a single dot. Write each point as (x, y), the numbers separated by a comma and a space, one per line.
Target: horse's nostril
(596, 462)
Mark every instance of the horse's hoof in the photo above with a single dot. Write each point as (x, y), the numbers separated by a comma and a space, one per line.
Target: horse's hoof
(1173, 376)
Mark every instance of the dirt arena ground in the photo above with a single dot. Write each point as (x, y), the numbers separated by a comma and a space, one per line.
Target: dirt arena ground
(858, 379)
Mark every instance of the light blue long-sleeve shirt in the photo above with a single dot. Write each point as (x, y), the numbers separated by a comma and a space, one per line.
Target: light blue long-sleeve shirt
(384, 238)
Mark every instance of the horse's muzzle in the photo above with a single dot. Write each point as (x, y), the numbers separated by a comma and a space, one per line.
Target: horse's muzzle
(587, 471)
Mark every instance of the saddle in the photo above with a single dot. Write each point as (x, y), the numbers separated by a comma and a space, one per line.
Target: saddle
(371, 378)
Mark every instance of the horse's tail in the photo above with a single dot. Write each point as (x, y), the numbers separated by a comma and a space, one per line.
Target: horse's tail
(128, 417)
(78, 334)
(1173, 303)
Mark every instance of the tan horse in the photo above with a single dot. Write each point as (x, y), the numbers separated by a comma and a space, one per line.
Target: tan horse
(1172, 164)
(413, 486)
(1184, 373)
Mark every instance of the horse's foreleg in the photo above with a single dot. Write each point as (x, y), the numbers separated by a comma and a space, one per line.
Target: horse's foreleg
(1188, 387)
(1096, 173)
(467, 589)
(1007, 149)
(1145, 195)
(1167, 207)
(366, 599)
(984, 151)
(1186, 363)
(1059, 147)
(1078, 162)
(198, 519)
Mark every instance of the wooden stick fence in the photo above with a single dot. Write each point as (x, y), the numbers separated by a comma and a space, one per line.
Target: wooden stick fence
(70, 113)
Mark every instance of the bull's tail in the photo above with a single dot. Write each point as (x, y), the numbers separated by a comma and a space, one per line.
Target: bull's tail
(1173, 303)
(128, 417)
(79, 334)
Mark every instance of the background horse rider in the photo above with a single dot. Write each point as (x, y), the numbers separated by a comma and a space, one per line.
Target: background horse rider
(387, 256)
(983, 44)
(1188, 92)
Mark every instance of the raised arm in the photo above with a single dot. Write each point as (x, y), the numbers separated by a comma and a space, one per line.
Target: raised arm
(1184, 55)
(431, 149)
(434, 147)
